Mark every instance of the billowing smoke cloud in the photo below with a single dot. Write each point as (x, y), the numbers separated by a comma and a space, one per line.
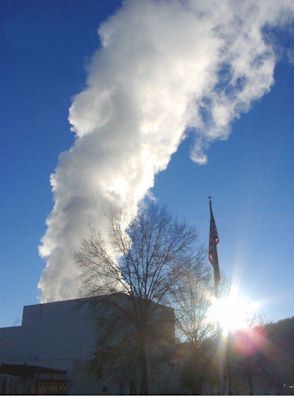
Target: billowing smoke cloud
(164, 67)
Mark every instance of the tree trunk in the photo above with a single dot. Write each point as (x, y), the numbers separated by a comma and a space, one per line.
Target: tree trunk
(144, 389)
(250, 380)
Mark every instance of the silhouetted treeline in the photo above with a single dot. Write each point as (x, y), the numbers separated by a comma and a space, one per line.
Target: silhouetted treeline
(261, 359)
(280, 350)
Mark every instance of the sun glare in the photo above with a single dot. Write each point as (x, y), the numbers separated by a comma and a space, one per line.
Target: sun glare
(232, 312)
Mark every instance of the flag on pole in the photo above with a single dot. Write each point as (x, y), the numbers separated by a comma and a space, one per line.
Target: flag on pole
(212, 250)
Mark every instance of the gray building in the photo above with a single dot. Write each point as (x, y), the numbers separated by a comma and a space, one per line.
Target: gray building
(65, 335)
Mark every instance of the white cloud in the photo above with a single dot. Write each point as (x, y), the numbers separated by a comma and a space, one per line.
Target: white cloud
(164, 66)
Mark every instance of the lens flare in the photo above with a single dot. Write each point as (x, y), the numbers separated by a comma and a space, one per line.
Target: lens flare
(232, 312)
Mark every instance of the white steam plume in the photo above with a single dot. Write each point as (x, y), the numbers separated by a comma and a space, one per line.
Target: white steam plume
(164, 66)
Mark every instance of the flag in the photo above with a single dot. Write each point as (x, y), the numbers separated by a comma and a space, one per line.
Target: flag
(212, 250)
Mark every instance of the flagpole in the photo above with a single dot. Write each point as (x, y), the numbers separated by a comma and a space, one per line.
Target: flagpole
(213, 258)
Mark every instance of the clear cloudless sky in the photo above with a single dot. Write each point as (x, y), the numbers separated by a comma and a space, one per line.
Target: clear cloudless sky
(45, 48)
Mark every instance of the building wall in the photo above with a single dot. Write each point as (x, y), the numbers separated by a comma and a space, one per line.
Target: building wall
(12, 348)
(50, 332)
(63, 335)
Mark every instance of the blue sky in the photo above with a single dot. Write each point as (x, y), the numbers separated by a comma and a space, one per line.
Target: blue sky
(45, 50)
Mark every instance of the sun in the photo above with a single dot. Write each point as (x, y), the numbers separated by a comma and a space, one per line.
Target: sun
(232, 312)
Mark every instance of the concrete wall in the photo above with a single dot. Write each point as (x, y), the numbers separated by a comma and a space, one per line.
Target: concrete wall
(63, 335)
(12, 347)
(55, 332)
(52, 335)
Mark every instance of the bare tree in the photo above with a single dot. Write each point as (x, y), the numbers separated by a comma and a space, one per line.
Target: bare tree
(153, 253)
(191, 300)
(263, 357)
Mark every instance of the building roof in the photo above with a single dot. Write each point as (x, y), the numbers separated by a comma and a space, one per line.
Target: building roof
(25, 370)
